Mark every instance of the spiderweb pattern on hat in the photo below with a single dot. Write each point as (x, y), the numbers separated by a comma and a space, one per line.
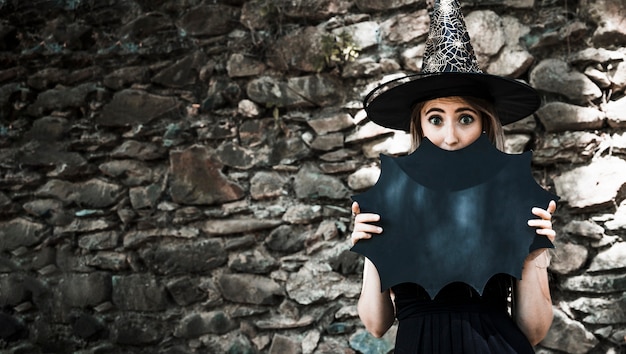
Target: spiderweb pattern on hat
(448, 47)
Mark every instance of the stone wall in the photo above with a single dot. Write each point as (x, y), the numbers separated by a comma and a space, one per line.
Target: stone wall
(175, 175)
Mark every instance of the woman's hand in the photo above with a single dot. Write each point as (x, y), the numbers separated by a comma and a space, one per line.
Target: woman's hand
(362, 229)
(543, 225)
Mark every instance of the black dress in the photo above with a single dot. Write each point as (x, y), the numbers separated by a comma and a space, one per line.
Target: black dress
(458, 320)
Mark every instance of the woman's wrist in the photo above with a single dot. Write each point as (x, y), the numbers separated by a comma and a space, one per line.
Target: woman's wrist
(543, 260)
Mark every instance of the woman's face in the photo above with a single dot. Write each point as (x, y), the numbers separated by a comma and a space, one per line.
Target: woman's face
(450, 123)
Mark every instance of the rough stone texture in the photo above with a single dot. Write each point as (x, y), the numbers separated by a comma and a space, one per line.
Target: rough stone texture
(175, 176)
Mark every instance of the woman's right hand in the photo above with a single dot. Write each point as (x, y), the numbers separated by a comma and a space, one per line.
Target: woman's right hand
(362, 227)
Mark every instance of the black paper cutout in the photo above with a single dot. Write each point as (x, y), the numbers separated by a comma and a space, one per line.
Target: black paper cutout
(452, 216)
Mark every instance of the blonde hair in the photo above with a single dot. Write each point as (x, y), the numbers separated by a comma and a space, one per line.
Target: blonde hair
(490, 122)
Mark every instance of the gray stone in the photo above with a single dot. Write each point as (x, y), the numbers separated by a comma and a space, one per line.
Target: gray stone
(329, 121)
(600, 78)
(197, 324)
(584, 228)
(96, 193)
(252, 262)
(145, 197)
(209, 20)
(339, 167)
(234, 155)
(487, 33)
(596, 55)
(310, 183)
(364, 178)
(248, 109)
(329, 285)
(363, 35)
(301, 49)
(129, 172)
(138, 237)
(265, 185)
(315, 9)
(85, 225)
(50, 210)
(135, 107)
(184, 256)
(362, 67)
(53, 154)
(593, 186)
(49, 129)
(601, 311)
(286, 239)
(135, 331)
(367, 131)
(598, 284)
(363, 342)
(278, 323)
(568, 258)
(606, 14)
(400, 143)
(87, 327)
(618, 77)
(146, 25)
(516, 143)
(577, 341)
(282, 344)
(560, 116)
(618, 221)
(108, 260)
(20, 232)
(138, 292)
(615, 113)
(137, 150)
(83, 290)
(236, 226)
(339, 155)
(327, 142)
(183, 72)
(184, 291)
(556, 76)
(241, 66)
(513, 60)
(124, 77)
(60, 98)
(250, 289)
(406, 28)
(378, 5)
(612, 258)
(47, 78)
(303, 214)
(14, 290)
(567, 147)
(305, 91)
(190, 169)
(98, 241)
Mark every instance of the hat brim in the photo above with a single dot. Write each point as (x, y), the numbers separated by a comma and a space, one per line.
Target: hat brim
(391, 104)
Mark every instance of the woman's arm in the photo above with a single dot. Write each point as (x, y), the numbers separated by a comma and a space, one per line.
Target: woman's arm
(376, 309)
(533, 303)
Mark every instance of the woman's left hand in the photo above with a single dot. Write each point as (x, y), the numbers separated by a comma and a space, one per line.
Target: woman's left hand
(543, 225)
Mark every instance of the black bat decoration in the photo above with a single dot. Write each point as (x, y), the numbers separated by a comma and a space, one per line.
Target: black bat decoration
(452, 216)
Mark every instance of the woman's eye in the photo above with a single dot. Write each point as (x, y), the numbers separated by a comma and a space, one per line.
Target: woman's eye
(435, 120)
(466, 119)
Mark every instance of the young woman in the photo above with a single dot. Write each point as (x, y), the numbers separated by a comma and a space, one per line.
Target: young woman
(458, 319)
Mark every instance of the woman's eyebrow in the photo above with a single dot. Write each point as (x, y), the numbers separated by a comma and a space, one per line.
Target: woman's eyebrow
(458, 110)
(462, 109)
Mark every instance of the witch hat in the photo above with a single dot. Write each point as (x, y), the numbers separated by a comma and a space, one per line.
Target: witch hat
(449, 68)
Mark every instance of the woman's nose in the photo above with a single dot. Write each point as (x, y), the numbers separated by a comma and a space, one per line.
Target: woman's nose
(451, 136)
